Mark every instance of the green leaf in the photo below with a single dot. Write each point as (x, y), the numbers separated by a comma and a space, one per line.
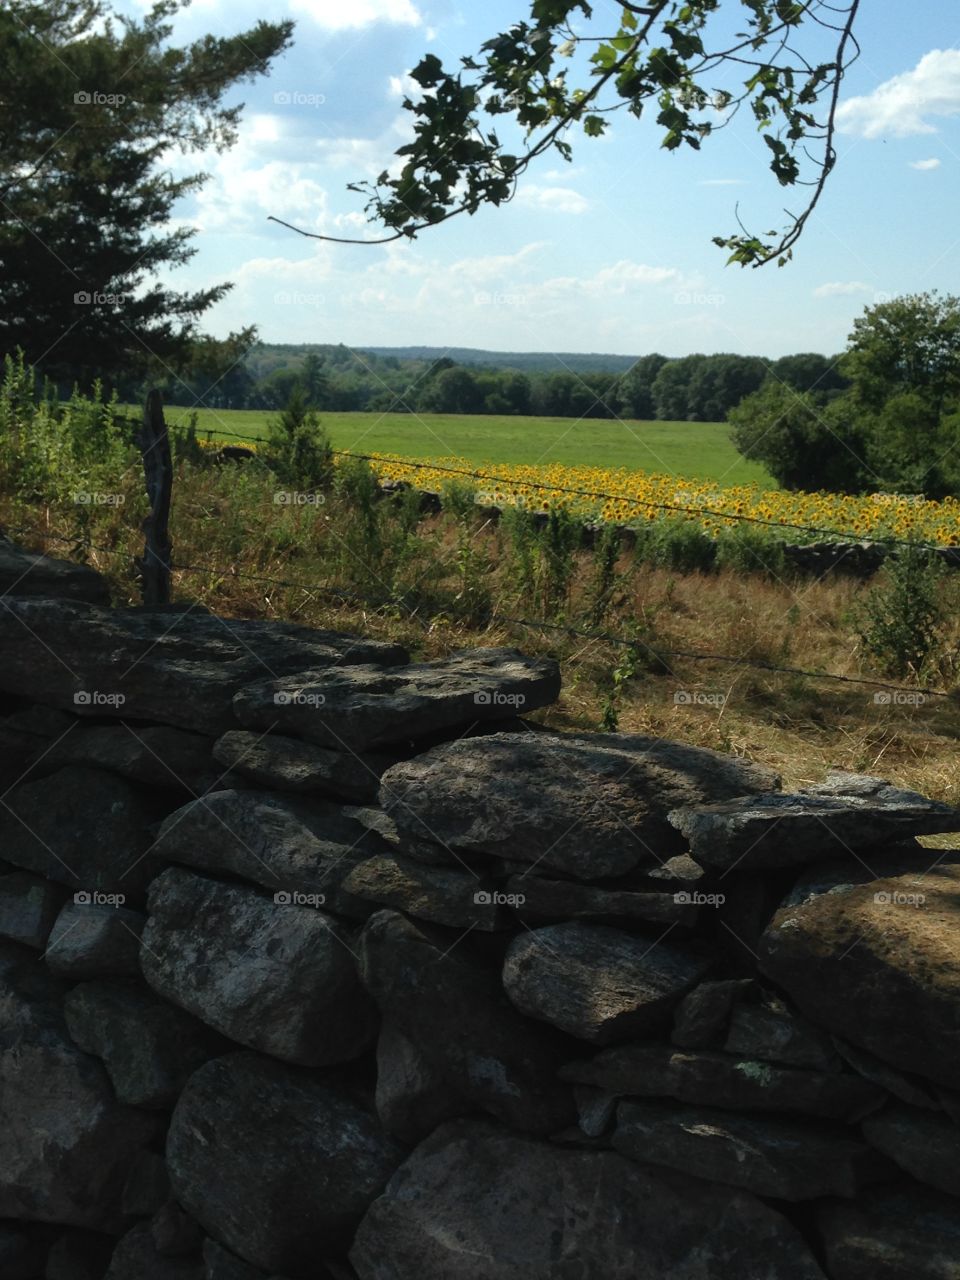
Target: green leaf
(428, 72)
(605, 57)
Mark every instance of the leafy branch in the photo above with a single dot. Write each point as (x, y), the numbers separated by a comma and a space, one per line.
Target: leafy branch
(660, 56)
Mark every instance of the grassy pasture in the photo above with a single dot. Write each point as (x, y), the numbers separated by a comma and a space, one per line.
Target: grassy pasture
(685, 449)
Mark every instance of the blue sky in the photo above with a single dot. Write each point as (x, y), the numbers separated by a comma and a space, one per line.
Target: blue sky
(612, 253)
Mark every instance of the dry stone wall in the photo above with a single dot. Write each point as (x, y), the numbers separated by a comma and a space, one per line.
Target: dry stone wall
(319, 962)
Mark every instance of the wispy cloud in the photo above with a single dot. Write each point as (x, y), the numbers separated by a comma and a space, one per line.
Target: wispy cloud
(553, 199)
(900, 107)
(338, 15)
(925, 165)
(841, 288)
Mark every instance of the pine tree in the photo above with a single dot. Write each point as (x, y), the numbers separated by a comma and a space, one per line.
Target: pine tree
(89, 103)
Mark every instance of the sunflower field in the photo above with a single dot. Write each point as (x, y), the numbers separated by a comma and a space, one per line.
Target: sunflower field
(635, 497)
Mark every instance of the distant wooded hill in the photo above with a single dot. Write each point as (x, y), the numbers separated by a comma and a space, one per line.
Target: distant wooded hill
(695, 388)
(525, 361)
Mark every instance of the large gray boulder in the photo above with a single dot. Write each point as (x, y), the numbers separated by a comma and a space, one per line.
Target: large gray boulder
(589, 807)
(273, 1163)
(66, 1144)
(168, 666)
(453, 1011)
(723, 1080)
(479, 1203)
(280, 763)
(879, 965)
(148, 1047)
(83, 828)
(363, 707)
(893, 1233)
(599, 984)
(266, 972)
(283, 843)
(768, 1155)
(843, 817)
(25, 573)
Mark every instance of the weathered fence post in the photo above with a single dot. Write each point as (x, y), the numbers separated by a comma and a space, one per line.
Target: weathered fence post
(158, 472)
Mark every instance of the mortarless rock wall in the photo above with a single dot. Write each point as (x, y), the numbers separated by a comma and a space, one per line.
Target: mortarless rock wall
(318, 962)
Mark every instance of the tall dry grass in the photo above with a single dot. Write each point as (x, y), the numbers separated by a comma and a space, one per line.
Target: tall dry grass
(438, 582)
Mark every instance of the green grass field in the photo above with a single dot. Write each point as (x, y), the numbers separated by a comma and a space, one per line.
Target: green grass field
(679, 448)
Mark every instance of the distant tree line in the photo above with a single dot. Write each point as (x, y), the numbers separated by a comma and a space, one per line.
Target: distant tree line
(696, 388)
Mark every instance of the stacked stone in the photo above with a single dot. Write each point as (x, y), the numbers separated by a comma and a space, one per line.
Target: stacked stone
(318, 962)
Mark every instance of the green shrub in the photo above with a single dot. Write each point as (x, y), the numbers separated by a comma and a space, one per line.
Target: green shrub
(636, 659)
(299, 452)
(472, 565)
(603, 578)
(519, 531)
(359, 534)
(559, 543)
(747, 548)
(376, 544)
(676, 543)
(459, 499)
(50, 452)
(900, 621)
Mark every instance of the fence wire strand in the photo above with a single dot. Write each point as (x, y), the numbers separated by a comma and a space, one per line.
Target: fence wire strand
(357, 598)
(594, 494)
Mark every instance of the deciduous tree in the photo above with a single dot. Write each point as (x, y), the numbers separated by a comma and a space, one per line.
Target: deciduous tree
(568, 68)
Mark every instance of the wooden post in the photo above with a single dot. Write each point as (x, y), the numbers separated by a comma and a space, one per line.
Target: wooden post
(158, 473)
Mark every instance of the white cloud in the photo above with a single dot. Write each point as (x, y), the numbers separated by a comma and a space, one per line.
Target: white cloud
(497, 266)
(491, 300)
(841, 289)
(570, 173)
(925, 165)
(311, 272)
(354, 222)
(899, 107)
(240, 199)
(404, 87)
(625, 275)
(552, 199)
(338, 15)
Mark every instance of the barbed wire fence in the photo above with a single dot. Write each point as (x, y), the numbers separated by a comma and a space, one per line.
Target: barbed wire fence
(347, 597)
(393, 601)
(839, 535)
